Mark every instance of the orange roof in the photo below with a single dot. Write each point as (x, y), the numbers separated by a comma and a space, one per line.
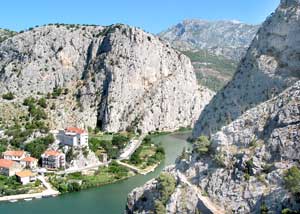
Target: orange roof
(52, 153)
(6, 163)
(14, 153)
(29, 159)
(25, 173)
(75, 130)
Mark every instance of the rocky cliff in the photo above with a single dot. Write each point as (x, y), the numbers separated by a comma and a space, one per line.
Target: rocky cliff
(250, 164)
(226, 38)
(116, 77)
(270, 66)
(244, 168)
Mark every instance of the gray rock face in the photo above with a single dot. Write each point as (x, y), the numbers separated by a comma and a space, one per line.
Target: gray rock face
(261, 144)
(250, 149)
(117, 77)
(270, 66)
(227, 38)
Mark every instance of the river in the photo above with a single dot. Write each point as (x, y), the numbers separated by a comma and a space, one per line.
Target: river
(109, 199)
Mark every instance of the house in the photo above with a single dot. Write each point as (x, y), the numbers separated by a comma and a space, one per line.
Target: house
(29, 162)
(53, 159)
(25, 177)
(15, 155)
(9, 167)
(73, 136)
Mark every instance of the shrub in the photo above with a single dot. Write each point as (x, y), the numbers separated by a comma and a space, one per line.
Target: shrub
(42, 102)
(166, 186)
(8, 96)
(264, 209)
(292, 180)
(202, 145)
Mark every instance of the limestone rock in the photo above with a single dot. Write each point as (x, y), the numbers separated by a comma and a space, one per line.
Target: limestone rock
(117, 77)
(270, 66)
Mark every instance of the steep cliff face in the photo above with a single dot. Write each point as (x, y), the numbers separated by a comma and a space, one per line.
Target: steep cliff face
(270, 66)
(224, 38)
(244, 169)
(116, 77)
(244, 166)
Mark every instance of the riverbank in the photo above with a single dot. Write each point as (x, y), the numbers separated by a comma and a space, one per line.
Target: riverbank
(110, 198)
(48, 192)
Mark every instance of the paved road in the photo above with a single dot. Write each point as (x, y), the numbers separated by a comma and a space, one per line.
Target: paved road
(69, 171)
(131, 147)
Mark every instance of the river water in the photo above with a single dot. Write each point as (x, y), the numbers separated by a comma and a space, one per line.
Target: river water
(109, 199)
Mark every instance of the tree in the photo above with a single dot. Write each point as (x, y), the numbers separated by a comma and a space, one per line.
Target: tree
(8, 96)
(292, 180)
(202, 145)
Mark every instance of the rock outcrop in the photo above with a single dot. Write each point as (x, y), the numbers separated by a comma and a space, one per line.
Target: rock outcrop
(224, 38)
(242, 168)
(245, 168)
(115, 77)
(270, 66)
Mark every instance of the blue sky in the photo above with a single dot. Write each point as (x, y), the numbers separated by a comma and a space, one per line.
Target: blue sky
(151, 15)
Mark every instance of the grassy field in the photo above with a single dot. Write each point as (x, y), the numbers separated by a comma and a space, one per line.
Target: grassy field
(147, 155)
(78, 181)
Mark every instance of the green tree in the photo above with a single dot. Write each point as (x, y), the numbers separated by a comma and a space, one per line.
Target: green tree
(202, 145)
(292, 180)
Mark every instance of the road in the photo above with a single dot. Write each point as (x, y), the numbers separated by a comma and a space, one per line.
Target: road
(69, 171)
(209, 205)
(131, 147)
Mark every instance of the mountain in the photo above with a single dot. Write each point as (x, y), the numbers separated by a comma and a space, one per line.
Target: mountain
(222, 38)
(4, 34)
(214, 47)
(269, 67)
(212, 71)
(250, 163)
(245, 169)
(116, 77)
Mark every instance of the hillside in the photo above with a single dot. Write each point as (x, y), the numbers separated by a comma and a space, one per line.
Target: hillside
(250, 162)
(229, 39)
(4, 34)
(116, 78)
(211, 71)
(270, 66)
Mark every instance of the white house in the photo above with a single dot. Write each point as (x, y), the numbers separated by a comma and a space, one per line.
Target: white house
(73, 136)
(15, 155)
(9, 167)
(53, 159)
(29, 162)
(25, 177)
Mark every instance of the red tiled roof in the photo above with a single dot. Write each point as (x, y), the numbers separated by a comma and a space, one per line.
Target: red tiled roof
(29, 159)
(6, 163)
(75, 130)
(14, 153)
(25, 173)
(52, 153)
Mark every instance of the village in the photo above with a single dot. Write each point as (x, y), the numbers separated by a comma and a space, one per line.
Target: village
(57, 167)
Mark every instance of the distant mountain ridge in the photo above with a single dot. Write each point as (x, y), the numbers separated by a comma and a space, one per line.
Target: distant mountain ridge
(227, 38)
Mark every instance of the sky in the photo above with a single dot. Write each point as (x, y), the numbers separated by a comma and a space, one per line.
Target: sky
(151, 15)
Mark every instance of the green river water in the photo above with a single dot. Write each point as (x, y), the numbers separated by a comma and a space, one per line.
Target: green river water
(109, 199)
